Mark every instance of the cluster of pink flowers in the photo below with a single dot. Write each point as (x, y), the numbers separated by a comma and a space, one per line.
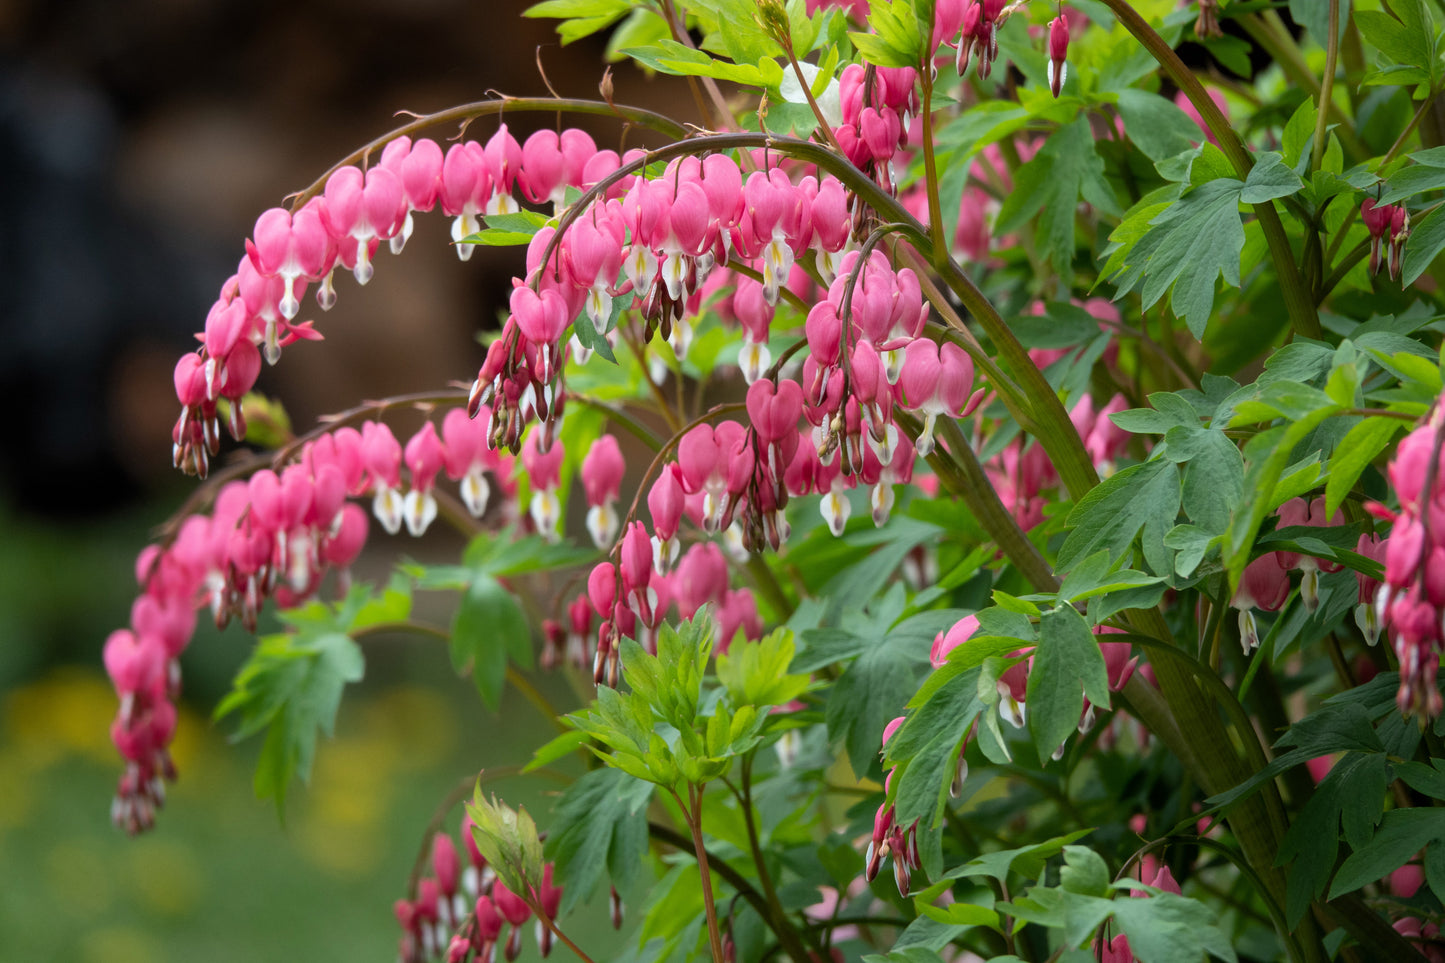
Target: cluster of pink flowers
(1411, 603)
(1265, 583)
(877, 104)
(632, 597)
(460, 912)
(273, 536)
(1389, 227)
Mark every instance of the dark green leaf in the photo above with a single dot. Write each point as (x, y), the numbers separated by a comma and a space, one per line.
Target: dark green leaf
(600, 829)
(1111, 515)
(1052, 183)
(291, 687)
(1426, 240)
(1269, 179)
(488, 626)
(1166, 926)
(1068, 664)
(1402, 834)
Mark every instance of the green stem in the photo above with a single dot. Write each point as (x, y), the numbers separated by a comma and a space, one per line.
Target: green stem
(1404, 137)
(1327, 83)
(930, 163)
(732, 877)
(982, 500)
(787, 936)
(693, 812)
(1298, 303)
(548, 922)
(1271, 34)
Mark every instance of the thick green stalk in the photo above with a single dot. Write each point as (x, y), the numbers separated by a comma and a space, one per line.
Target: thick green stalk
(1298, 303)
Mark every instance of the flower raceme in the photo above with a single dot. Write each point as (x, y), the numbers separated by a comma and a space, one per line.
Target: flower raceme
(273, 536)
(1411, 602)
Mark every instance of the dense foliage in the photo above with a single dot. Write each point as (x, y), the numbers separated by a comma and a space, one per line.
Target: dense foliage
(1004, 446)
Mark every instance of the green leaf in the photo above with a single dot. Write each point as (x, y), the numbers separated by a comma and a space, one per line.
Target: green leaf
(1411, 181)
(1269, 179)
(291, 687)
(1409, 41)
(1426, 240)
(1360, 446)
(487, 627)
(869, 694)
(1095, 575)
(671, 57)
(894, 39)
(557, 748)
(1213, 475)
(755, 673)
(1310, 846)
(507, 838)
(1315, 17)
(1027, 861)
(1112, 514)
(600, 830)
(1052, 184)
(1084, 872)
(1299, 133)
(1199, 238)
(522, 222)
(1271, 451)
(1402, 834)
(1166, 926)
(495, 238)
(1068, 664)
(925, 750)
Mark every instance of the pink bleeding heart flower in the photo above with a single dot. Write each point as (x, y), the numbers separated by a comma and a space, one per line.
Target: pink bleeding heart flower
(544, 470)
(292, 247)
(466, 184)
(936, 380)
(1264, 585)
(464, 441)
(946, 642)
(360, 210)
(425, 457)
(381, 454)
(602, 472)
(1058, 68)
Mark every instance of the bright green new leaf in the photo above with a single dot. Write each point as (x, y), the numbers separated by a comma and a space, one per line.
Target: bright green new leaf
(1353, 455)
(755, 673)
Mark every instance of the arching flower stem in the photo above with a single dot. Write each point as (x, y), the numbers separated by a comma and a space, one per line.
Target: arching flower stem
(466, 113)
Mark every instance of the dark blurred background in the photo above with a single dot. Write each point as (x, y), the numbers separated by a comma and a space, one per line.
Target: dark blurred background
(139, 140)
